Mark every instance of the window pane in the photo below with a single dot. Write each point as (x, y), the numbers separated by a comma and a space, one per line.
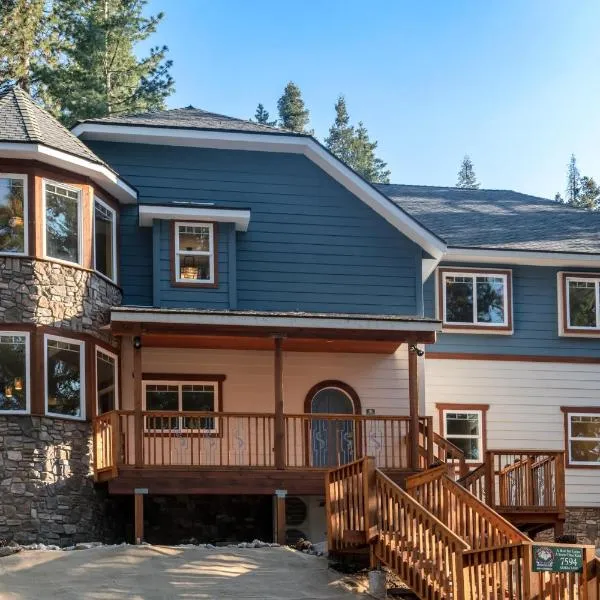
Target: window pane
(103, 232)
(62, 231)
(490, 300)
(585, 426)
(198, 398)
(162, 398)
(12, 221)
(462, 424)
(195, 268)
(64, 378)
(470, 446)
(582, 304)
(107, 377)
(13, 381)
(585, 451)
(459, 299)
(194, 238)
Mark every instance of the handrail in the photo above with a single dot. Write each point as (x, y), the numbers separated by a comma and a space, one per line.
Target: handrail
(444, 451)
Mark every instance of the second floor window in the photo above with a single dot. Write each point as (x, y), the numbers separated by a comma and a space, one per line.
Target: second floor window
(582, 295)
(63, 222)
(475, 299)
(105, 240)
(13, 212)
(194, 253)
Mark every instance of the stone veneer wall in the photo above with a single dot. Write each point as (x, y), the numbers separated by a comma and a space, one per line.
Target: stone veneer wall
(47, 492)
(581, 522)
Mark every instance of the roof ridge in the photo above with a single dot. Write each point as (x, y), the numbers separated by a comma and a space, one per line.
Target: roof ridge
(29, 121)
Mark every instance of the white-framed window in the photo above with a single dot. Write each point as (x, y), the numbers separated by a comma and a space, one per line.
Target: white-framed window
(62, 222)
(472, 299)
(582, 295)
(165, 397)
(14, 372)
(105, 239)
(583, 438)
(194, 252)
(107, 381)
(64, 370)
(464, 428)
(13, 214)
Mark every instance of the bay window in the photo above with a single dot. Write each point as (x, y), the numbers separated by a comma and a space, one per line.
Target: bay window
(13, 214)
(105, 239)
(106, 381)
(194, 253)
(64, 360)
(63, 222)
(14, 372)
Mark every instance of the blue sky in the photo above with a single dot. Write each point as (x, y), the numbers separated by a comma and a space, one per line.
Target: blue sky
(513, 83)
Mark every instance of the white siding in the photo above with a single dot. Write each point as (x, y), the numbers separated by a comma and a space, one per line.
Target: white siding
(525, 400)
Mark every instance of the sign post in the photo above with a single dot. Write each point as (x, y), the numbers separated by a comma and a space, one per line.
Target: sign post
(557, 559)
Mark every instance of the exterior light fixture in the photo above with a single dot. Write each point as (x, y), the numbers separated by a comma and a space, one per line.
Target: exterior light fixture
(137, 342)
(416, 350)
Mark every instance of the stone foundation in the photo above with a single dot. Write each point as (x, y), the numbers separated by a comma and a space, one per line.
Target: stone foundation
(47, 494)
(581, 522)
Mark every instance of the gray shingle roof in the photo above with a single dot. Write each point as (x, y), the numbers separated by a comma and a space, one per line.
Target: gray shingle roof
(499, 219)
(23, 121)
(188, 118)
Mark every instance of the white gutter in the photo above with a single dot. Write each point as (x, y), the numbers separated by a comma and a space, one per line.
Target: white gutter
(522, 257)
(241, 218)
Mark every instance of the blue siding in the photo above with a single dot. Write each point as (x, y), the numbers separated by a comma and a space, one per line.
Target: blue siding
(535, 311)
(311, 245)
(135, 259)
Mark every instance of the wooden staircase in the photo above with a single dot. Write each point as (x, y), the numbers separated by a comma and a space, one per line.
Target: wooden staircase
(441, 540)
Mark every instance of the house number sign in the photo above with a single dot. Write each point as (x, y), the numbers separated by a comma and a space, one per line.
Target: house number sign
(557, 559)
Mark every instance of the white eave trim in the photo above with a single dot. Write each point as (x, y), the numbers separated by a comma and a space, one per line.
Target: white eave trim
(100, 174)
(174, 318)
(522, 257)
(272, 143)
(241, 218)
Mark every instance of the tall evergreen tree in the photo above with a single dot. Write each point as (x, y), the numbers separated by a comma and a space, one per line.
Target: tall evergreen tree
(589, 195)
(341, 133)
(573, 190)
(466, 175)
(262, 115)
(293, 115)
(98, 73)
(363, 159)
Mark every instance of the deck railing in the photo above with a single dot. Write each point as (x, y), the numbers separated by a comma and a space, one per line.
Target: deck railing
(438, 450)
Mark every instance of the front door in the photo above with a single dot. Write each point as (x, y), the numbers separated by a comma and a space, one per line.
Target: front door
(332, 439)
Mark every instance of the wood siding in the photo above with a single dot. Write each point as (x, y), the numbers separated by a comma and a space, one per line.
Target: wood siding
(525, 400)
(311, 245)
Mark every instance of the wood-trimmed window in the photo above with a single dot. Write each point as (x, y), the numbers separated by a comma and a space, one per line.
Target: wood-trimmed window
(15, 360)
(475, 300)
(579, 303)
(107, 380)
(465, 426)
(105, 239)
(582, 436)
(182, 395)
(14, 239)
(194, 253)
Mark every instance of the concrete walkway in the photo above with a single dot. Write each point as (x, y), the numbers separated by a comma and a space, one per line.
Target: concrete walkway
(160, 572)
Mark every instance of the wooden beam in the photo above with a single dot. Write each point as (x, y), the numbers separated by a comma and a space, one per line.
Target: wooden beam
(413, 399)
(279, 408)
(137, 407)
(280, 516)
(138, 500)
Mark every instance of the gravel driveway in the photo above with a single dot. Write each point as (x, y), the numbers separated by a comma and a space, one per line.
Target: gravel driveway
(161, 572)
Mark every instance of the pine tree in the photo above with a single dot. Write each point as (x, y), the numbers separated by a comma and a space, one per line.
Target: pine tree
(98, 73)
(293, 115)
(573, 190)
(589, 196)
(262, 115)
(363, 159)
(341, 133)
(466, 175)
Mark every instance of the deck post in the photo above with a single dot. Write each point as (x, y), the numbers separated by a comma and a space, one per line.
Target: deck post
(413, 400)
(138, 505)
(279, 416)
(280, 496)
(137, 402)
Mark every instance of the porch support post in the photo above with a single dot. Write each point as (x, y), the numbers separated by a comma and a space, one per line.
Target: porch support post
(280, 496)
(137, 402)
(279, 418)
(413, 400)
(138, 500)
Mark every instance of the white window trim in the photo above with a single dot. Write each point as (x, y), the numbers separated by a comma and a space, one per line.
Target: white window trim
(45, 182)
(464, 411)
(114, 277)
(570, 438)
(81, 344)
(596, 282)
(27, 410)
(475, 326)
(210, 253)
(180, 384)
(25, 180)
(101, 350)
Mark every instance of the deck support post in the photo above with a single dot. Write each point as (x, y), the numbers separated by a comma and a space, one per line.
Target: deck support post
(413, 400)
(279, 424)
(280, 496)
(137, 402)
(138, 505)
